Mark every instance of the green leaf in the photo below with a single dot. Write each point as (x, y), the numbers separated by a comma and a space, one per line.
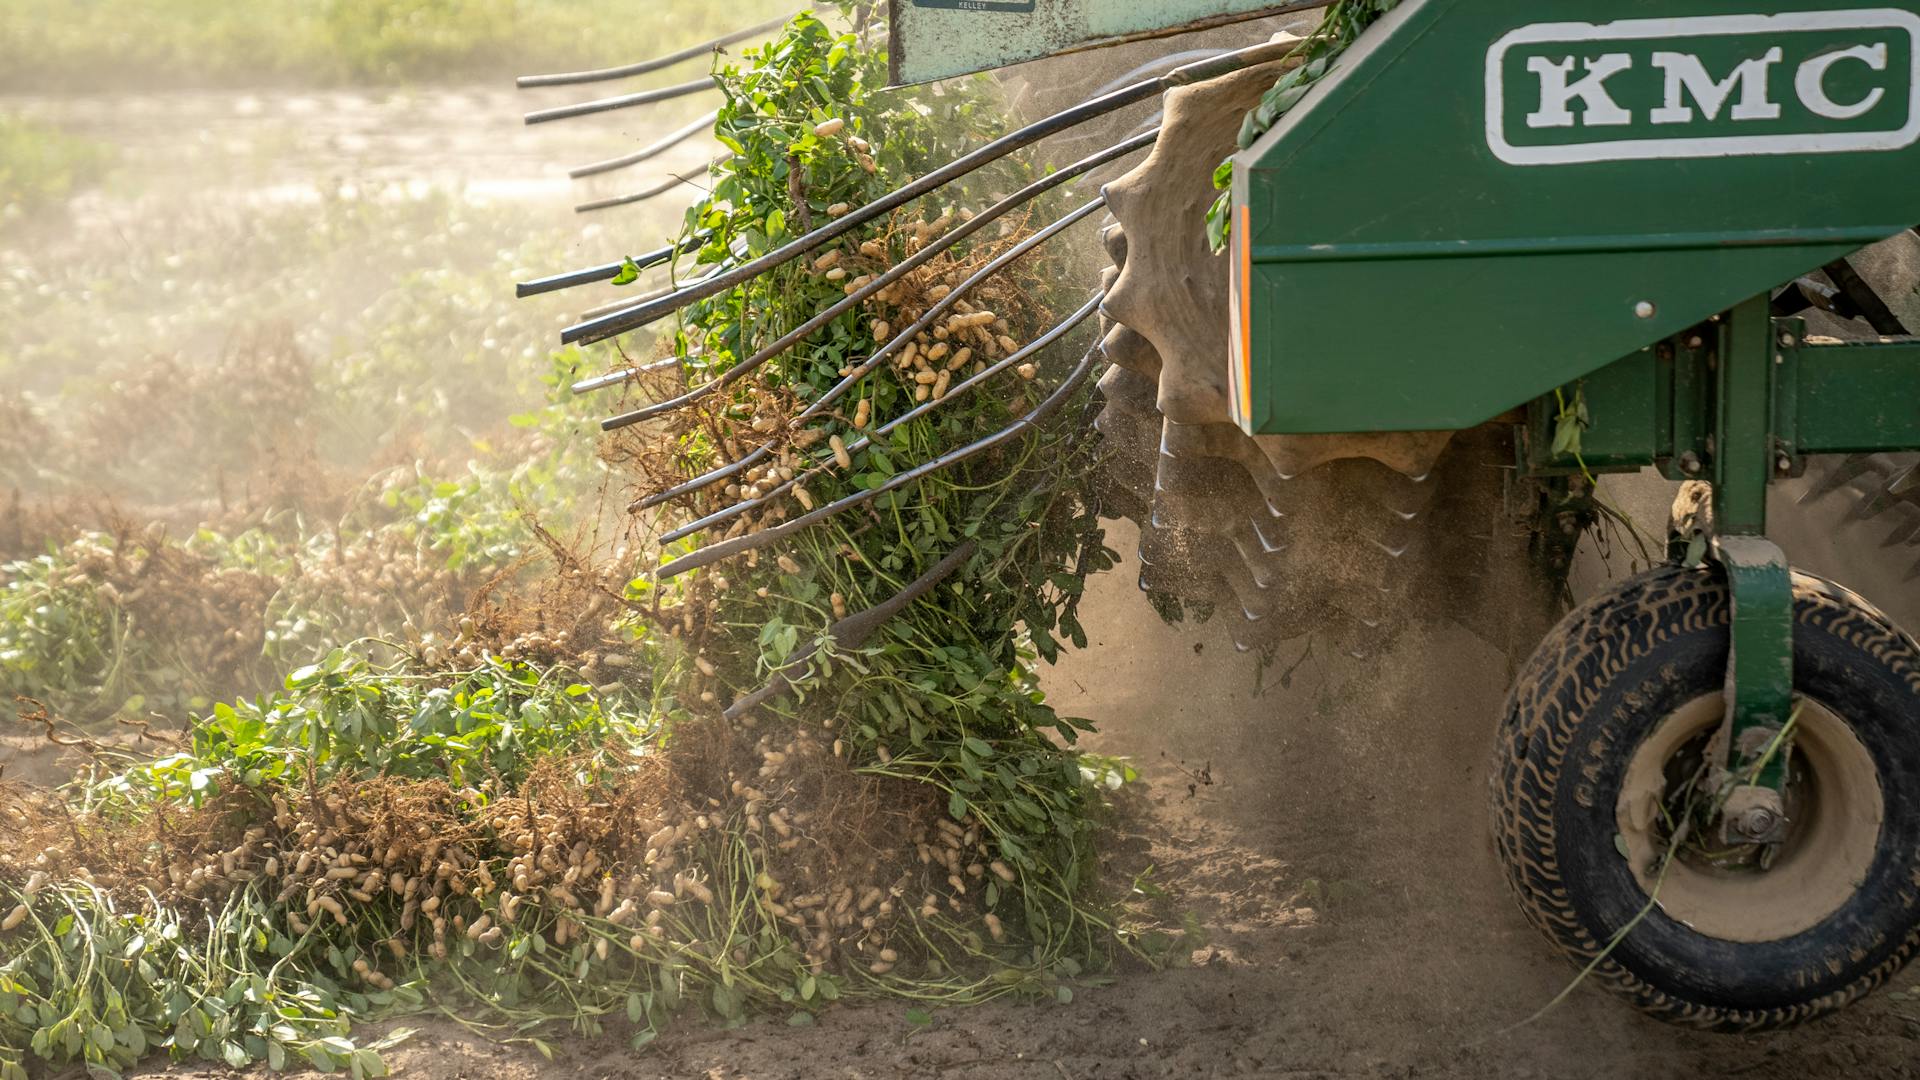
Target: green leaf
(957, 806)
(629, 273)
(64, 926)
(919, 1017)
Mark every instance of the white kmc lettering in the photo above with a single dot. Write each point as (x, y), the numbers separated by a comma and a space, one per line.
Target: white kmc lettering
(1811, 83)
(1687, 75)
(1556, 93)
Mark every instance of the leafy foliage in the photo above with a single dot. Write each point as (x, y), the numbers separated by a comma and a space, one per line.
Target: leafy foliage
(944, 692)
(39, 165)
(198, 42)
(1343, 24)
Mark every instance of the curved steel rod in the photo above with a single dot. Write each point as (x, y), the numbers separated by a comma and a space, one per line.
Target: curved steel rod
(765, 450)
(854, 630)
(905, 267)
(623, 301)
(715, 552)
(614, 377)
(1212, 67)
(1059, 330)
(644, 194)
(1155, 64)
(900, 340)
(653, 149)
(624, 101)
(753, 457)
(607, 271)
(572, 78)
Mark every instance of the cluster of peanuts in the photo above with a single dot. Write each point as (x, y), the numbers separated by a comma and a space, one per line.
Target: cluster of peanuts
(462, 867)
(464, 883)
(385, 579)
(35, 882)
(212, 614)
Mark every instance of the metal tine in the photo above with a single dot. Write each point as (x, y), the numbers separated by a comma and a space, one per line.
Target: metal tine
(1060, 330)
(901, 270)
(607, 271)
(574, 78)
(1212, 67)
(764, 450)
(752, 458)
(623, 301)
(653, 149)
(713, 553)
(644, 194)
(1846, 472)
(623, 101)
(1158, 63)
(939, 308)
(854, 630)
(614, 378)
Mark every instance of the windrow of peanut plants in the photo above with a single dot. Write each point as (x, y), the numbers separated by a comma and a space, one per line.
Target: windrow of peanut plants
(518, 799)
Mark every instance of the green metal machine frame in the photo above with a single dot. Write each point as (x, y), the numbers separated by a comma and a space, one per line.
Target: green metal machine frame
(938, 39)
(1487, 206)
(1543, 189)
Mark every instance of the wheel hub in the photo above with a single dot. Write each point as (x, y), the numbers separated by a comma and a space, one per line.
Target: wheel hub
(1794, 858)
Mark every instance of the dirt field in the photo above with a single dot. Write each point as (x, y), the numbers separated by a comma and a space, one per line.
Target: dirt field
(1335, 858)
(1323, 822)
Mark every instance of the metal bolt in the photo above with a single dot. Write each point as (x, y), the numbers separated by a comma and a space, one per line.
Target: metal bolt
(1690, 463)
(1645, 309)
(1696, 341)
(1787, 340)
(1783, 464)
(1757, 822)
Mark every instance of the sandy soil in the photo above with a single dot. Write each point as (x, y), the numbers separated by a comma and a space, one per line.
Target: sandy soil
(1326, 830)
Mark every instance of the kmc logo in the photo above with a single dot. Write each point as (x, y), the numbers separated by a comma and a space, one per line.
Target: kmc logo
(1720, 86)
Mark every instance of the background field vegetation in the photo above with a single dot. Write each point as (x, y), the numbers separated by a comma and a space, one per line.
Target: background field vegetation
(96, 44)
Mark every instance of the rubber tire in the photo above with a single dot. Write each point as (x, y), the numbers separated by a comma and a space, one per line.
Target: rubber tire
(1596, 688)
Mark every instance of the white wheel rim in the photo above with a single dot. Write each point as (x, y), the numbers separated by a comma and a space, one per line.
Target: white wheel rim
(1823, 862)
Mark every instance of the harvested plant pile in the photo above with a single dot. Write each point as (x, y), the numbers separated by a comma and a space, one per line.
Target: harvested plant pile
(524, 796)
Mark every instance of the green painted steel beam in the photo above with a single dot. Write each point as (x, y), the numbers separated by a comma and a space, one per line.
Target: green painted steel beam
(1743, 446)
(1857, 398)
(1659, 405)
(938, 39)
(1485, 200)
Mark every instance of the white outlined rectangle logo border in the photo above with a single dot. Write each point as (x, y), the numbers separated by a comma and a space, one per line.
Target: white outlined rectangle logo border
(1714, 146)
